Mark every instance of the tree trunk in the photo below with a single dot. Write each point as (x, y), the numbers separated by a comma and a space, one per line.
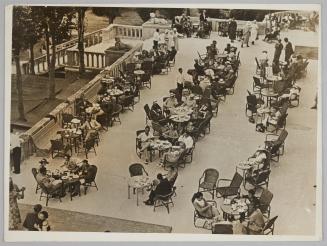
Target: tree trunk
(19, 88)
(52, 68)
(81, 15)
(47, 44)
(32, 58)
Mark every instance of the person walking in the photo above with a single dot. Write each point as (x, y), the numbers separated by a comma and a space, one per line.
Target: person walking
(14, 215)
(254, 31)
(288, 50)
(246, 34)
(15, 148)
(175, 38)
(232, 27)
(156, 37)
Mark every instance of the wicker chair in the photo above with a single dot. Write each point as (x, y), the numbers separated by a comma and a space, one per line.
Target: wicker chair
(208, 181)
(232, 189)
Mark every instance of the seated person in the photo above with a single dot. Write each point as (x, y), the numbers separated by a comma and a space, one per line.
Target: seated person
(172, 175)
(50, 183)
(293, 92)
(43, 163)
(259, 158)
(227, 50)
(229, 78)
(255, 223)
(170, 103)
(81, 104)
(163, 188)
(253, 201)
(103, 89)
(156, 112)
(272, 35)
(272, 117)
(204, 208)
(171, 133)
(205, 82)
(86, 172)
(199, 69)
(189, 101)
(90, 127)
(187, 140)
(70, 164)
(174, 154)
(32, 219)
(145, 139)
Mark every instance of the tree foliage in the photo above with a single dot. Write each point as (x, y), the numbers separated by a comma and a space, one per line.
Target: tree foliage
(168, 13)
(111, 12)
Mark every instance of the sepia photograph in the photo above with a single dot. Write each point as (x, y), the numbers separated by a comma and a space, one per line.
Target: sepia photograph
(163, 120)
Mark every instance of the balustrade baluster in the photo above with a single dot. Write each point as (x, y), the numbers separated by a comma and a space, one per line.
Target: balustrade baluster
(97, 55)
(92, 57)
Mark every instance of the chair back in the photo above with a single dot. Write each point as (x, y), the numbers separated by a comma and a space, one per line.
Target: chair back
(236, 181)
(90, 143)
(222, 229)
(282, 120)
(257, 62)
(263, 177)
(147, 111)
(34, 172)
(282, 137)
(147, 66)
(166, 197)
(66, 118)
(284, 107)
(207, 92)
(211, 176)
(269, 224)
(56, 144)
(257, 81)
(156, 127)
(251, 100)
(93, 173)
(130, 67)
(265, 199)
(136, 169)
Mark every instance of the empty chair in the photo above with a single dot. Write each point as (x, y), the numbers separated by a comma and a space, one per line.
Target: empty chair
(136, 169)
(264, 202)
(34, 172)
(59, 149)
(208, 181)
(147, 113)
(273, 139)
(222, 228)
(115, 114)
(128, 103)
(232, 189)
(66, 118)
(269, 226)
(87, 147)
(252, 105)
(146, 80)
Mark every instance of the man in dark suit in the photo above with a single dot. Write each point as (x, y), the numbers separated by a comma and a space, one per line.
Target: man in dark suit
(288, 49)
(232, 28)
(163, 188)
(32, 219)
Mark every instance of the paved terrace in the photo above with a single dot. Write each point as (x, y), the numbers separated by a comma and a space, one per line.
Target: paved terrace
(231, 140)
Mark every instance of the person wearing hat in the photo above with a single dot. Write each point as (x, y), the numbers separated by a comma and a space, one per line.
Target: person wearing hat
(43, 162)
(170, 103)
(232, 28)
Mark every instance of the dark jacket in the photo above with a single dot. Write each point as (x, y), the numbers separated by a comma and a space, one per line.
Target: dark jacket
(30, 220)
(163, 188)
(288, 51)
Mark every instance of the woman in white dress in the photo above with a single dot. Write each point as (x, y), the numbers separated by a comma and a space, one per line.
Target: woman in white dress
(254, 31)
(175, 38)
(170, 40)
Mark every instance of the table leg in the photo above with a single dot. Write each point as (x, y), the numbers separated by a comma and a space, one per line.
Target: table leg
(137, 197)
(128, 192)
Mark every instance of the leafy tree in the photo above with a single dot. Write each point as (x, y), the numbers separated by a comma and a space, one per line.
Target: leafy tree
(19, 32)
(56, 24)
(111, 12)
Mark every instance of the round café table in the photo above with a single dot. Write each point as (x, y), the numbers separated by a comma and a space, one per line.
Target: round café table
(139, 183)
(160, 145)
(269, 94)
(72, 136)
(234, 207)
(244, 167)
(75, 122)
(116, 93)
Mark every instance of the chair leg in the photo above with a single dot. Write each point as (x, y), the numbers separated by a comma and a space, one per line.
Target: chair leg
(96, 185)
(46, 203)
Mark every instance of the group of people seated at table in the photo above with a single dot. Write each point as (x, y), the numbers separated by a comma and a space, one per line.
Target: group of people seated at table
(55, 184)
(183, 24)
(250, 223)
